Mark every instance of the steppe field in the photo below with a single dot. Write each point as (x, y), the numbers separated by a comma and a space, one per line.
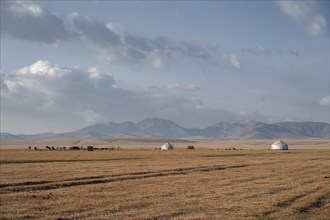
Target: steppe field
(141, 182)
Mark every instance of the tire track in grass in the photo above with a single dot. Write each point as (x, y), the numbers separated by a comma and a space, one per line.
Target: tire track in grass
(92, 177)
(317, 202)
(288, 203)
(2, 162)
(108, 179)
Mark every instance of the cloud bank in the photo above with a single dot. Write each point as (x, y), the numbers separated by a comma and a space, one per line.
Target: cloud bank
(28, 21)
(80, 97)
(109, 41)
(113, 44)
(303, 13)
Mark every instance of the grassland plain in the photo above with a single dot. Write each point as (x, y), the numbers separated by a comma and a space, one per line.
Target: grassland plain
(179, 184)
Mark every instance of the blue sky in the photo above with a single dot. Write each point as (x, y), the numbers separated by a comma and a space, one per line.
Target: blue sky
(68, 64)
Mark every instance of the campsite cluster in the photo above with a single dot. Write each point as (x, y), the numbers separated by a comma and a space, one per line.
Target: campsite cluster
(166, 146)
(278, 145)
(88, 148)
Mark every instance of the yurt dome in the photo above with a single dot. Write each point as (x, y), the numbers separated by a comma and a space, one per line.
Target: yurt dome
(167, 146)
(279, 145)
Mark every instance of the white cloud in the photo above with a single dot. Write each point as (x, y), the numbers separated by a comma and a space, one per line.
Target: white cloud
(316, 25)
(118, 29)
(304, 14)
(42, 67)
(325, 100)
(233, 60)
(27, 20)
(293, 9)
(26, 8)
(263, 50)
(95, 73)
(45, 82)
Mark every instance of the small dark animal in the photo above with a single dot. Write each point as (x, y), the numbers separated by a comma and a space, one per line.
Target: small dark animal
(74, 148)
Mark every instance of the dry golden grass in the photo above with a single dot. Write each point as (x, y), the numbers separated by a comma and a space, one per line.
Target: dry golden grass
(178, 184)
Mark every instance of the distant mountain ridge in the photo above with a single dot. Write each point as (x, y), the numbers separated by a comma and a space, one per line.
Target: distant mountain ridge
(162, 128)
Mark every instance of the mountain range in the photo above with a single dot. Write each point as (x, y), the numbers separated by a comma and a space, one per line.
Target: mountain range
(161, 128)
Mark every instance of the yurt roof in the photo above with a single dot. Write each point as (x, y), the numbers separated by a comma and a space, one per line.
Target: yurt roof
(279, 143)
(167, 145)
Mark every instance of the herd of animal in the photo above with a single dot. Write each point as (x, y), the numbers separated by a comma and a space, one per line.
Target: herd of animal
(88, 148)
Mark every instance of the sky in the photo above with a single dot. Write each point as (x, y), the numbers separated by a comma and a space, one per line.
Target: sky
(70, 64)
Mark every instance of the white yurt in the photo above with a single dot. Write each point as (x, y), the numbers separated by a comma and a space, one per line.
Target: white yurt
(279, 145)
(167, 146)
